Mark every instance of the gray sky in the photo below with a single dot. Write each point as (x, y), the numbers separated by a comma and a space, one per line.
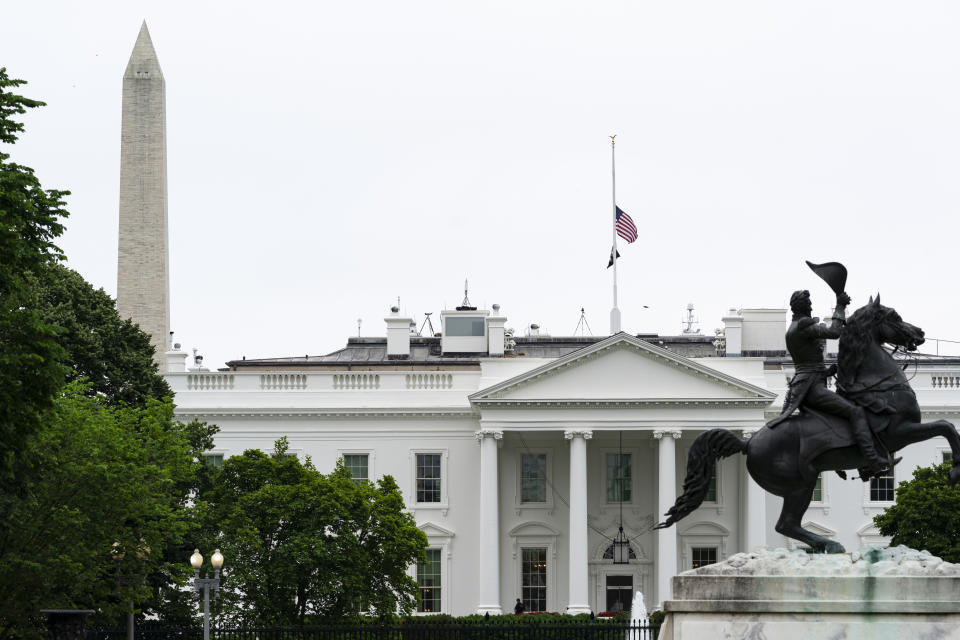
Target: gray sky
(325, 158)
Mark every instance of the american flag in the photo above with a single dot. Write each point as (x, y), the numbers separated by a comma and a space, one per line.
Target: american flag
(625, 227)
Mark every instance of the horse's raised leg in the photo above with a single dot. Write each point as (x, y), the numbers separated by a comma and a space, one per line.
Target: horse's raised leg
(795, 504)
(907, 434)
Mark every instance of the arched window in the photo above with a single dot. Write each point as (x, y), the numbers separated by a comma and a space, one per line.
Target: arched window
(608, 554)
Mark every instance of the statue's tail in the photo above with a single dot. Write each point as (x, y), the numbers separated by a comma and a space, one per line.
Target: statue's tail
(704, 453)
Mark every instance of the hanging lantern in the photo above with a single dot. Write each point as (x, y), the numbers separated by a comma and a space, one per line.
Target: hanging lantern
(621, 548)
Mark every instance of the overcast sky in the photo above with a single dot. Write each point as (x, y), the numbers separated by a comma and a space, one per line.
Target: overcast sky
(325, 158)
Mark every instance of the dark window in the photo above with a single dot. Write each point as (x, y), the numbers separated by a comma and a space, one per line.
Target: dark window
(357, 465)
(533, 477)
(533, 576)
(818, 490)
(608, 554)
(214, 460)
(702, 556)
(712, 487)
(428, 477)
(464, 327)
(881, 487)
(428, 577)
(619, 473)
(619, 593)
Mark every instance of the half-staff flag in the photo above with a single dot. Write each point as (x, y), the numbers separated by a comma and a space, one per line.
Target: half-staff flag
(625, 227)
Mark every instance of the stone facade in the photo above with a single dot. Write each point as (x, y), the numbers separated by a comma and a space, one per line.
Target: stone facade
(775, 593)
(143, 280)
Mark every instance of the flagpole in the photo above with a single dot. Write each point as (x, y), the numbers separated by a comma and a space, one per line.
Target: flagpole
(615, 312)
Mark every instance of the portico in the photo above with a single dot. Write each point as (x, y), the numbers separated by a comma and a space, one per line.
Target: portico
(565, 417)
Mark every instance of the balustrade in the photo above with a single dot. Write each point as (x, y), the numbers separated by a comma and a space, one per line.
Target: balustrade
(283, 381)
(356, 381)
(429, 380)
(942, 381)
(209, 381)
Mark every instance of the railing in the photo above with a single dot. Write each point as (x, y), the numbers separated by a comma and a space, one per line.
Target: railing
(356, 381)
(429, 380)
(209, 381)
(283, 381)
(324, 381)
(945, 381)
(595, 630)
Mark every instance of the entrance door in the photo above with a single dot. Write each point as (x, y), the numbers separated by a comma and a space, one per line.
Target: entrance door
(619, 593)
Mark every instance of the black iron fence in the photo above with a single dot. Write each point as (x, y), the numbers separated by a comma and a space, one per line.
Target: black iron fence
(598, 630)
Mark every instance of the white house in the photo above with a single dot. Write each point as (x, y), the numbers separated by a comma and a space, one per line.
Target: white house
(520, 457)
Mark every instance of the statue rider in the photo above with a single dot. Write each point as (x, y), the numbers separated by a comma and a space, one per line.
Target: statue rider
(806, 341)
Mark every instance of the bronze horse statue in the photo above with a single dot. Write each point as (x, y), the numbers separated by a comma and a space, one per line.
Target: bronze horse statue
(786, 460)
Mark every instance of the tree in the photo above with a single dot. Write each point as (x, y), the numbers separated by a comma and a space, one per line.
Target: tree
(112, 354)
(926, 514)
(302, 545)
(108, 475)
(30, 369)
(92, 464)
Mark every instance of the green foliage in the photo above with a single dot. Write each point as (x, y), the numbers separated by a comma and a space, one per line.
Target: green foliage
(87, 465)
(302, 545)
(112, 354)
(30, 370)
(926, 514)
(109, 475)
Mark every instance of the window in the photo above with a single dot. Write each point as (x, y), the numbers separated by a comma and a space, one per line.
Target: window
(881, 487)
(358, 466)
(533, 579)
(818, 490)
(702, 556)
(619, 593)
(619, 474)
(428, 477)
(428, 577)
(608, 554)
(464, 327)
(947, 455)
(711, 495)
(214, 460)
(533, 477)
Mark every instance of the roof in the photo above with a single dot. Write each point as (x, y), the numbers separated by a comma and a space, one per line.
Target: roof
(425, 353)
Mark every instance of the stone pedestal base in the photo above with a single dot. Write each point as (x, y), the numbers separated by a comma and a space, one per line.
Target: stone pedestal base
(790, 595)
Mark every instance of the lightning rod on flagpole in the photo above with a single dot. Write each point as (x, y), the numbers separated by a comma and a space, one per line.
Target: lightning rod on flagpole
(615, 312)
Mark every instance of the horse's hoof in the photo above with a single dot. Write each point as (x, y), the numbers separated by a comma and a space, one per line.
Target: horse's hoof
(954, 476)
(833, 547)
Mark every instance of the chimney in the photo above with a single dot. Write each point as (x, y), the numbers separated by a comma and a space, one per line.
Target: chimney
(495, 328)
(176, 357)
(733, 330)
(398, 335)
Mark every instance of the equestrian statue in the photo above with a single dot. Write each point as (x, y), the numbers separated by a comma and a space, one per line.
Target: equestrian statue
(873, 414)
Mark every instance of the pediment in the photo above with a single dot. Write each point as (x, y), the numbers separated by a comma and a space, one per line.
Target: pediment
(705, 529)
(622, 368)
(819, 529)
(533, 529)
(435, 531)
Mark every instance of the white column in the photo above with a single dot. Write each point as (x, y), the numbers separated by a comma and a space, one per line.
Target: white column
(756, 512)
(666, 496)
(578, 593)
(489, 523)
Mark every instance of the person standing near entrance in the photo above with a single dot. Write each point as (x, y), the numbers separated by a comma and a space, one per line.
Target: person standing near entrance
(518, 608)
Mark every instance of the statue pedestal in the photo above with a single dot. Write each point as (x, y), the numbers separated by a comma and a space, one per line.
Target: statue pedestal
(873, 594)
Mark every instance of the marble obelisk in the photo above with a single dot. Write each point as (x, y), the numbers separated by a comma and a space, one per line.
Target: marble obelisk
(143, 274)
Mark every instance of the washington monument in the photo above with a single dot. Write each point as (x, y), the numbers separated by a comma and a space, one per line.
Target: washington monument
(143, 274)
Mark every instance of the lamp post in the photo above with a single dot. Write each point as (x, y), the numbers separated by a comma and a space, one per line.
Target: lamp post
(129, 580)
(196, 561)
